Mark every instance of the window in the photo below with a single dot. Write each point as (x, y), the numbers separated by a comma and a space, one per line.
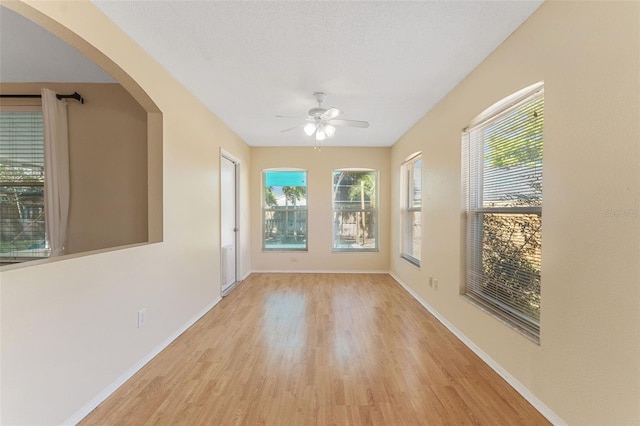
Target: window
(22, 231)
(411, 209)
(355, 213)
(502, 183)
(284, 210)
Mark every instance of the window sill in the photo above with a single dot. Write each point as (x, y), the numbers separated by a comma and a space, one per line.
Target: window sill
(411, 260)
(285, 250)
(347, 250)
(46, 260)
(7, 261)
(505, 319)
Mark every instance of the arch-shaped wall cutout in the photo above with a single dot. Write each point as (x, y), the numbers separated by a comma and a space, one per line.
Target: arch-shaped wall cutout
(154, 132)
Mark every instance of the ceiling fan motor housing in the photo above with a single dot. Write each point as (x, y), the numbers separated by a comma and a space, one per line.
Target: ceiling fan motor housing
(319, 96)
(318, 111)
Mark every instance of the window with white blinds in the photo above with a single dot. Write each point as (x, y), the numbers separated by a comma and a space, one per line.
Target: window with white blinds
(412, 209)
(502, 202)
(22, 230)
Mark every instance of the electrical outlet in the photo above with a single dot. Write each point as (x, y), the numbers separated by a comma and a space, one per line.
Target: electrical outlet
(435, 284)
(142, 317)
(430, 281)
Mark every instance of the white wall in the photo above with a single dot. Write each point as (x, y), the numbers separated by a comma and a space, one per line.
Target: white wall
(69, 326)
(587, 366)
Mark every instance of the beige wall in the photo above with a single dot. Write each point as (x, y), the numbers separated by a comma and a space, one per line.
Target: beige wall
(69, 325)
(319, 166)
(587, 366)
(107, 165)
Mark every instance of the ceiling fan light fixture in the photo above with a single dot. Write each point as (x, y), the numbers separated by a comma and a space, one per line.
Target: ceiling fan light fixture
(309, 129)
(329, 130)
(320, 134)
(321, 122)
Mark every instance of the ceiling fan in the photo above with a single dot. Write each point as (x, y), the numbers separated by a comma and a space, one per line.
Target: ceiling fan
(322, 122)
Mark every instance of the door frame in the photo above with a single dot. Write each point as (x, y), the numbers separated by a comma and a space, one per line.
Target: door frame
(236, 162)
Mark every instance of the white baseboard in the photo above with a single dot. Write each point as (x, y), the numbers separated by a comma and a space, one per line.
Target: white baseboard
(519, 387)
(515, 383)
(318, 271)
(98, 399)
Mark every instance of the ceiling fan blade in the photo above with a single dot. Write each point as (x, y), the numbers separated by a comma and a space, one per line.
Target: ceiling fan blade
(350, 123)
(290, 128)
(331, 113)
(288, 116)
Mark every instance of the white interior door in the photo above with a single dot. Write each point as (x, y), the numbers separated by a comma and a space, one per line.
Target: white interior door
(228, 220)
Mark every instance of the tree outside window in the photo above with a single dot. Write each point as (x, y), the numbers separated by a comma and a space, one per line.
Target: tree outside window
(503, 196)
(355, 212)
(22, 221)
(284, 210)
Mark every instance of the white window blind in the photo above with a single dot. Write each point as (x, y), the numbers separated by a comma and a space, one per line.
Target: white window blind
(502, 201)
(22, 231)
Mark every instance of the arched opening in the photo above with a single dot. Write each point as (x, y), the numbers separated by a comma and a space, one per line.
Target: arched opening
(115, 137)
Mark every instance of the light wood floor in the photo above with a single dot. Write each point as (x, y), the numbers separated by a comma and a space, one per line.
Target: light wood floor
(316, 349)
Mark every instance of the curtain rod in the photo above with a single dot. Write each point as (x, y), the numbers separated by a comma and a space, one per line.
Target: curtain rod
(75, 96)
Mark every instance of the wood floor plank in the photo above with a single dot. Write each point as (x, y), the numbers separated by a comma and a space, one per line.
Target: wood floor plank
(316, 349)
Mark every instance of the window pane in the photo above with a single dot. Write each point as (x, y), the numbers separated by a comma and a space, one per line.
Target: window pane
(502, 180)
(511, 262)
(355, 212)
(22, 225)
(286, 178)
(415, 188)
(354, 190)
(513, 158)
(285, 210)
(354, 230)
(411, 205)
(414, 235)
(285, 229)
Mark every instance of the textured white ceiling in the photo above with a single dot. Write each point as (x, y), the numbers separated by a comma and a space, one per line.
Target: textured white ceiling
(387, 62)
(29, 53)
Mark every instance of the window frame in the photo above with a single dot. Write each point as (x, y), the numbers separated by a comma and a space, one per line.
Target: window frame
(373, 209)
(408, 207)
(275, 210)
(473, 149)
(36, 253)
